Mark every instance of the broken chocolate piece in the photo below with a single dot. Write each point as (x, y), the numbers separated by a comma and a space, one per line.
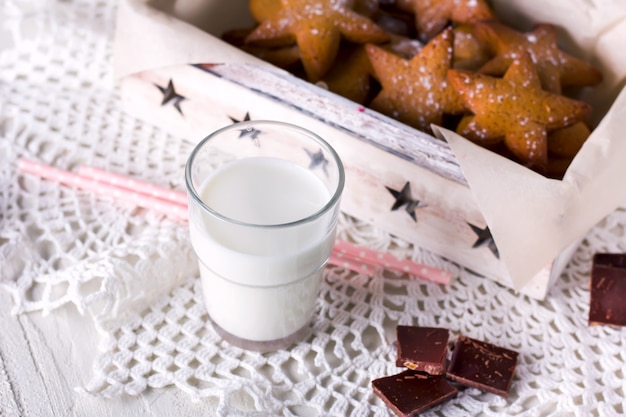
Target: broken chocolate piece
(608, 290)
(482, 365)
(409, 393)
(422, 348)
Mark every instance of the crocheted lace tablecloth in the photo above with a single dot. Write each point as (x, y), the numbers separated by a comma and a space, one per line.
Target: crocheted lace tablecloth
(134, 272)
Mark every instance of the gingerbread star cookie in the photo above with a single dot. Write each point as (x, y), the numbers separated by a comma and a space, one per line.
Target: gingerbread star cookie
(351, 77)
(567, 141)
(563, 146)
(416, 91)
(469, 52)
(431, 16)
(263, 9)
(556, 68)
(284, 57)
(317, 28)
(515, 109)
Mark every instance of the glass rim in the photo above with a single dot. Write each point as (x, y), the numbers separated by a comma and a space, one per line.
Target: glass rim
(332, 201)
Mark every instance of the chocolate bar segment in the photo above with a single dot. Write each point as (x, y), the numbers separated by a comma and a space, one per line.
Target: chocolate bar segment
(409, 393)
(607, 304)
(422, 348)
(482, 365)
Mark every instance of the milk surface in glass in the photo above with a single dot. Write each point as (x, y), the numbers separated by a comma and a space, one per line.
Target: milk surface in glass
(263, 279)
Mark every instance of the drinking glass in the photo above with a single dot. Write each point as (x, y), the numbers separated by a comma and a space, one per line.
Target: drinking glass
(263, 208)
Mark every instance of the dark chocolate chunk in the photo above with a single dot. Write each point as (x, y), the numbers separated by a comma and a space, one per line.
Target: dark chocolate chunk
(608, 290)
(409, 393)
(422, 348)
(482, 365)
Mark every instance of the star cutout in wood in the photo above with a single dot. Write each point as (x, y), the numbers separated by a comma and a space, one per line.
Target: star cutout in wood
(318, 159)
(317, 28)
(556, 68)
(170, 95)
(514, 109)
(416, 91)
(250, 132)
(404, 198)
(246, 118)
(484, 237)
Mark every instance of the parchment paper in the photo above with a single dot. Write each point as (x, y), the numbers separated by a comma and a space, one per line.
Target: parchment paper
(148, 35)
(531, 218)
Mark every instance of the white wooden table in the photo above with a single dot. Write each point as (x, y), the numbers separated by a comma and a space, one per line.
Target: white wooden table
(43, 360)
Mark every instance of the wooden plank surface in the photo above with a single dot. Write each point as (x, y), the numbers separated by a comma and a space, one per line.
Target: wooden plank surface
(44, 359)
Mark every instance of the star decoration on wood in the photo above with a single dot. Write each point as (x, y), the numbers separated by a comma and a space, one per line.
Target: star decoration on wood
(404, 198)
(484, 238)
(170, 95)
(317, 159)
(246, 118)
(249, 132)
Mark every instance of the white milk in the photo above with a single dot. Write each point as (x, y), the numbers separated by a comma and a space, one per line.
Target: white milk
(261, 283)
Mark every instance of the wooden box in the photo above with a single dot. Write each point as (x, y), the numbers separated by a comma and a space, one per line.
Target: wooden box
(402, 180)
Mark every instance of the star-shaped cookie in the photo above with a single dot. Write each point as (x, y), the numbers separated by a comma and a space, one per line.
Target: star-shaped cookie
(556, 68)
(416, 91)
(286, 57)
(317, 28)
(263, 9)
(350, 75)
(431, 16)
(515, 109)
(469, 52)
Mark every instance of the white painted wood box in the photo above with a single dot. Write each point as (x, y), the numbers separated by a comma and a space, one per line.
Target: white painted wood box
(400, 179)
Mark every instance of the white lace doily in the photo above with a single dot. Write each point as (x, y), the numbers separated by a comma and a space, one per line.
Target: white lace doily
(134, 271)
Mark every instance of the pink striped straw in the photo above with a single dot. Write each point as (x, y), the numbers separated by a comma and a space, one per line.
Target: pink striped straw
(373, 259)
(174, 203)
(342, 260)
(103, 188)
(133, 184)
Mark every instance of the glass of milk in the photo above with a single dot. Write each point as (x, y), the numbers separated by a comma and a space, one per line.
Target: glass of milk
(263, 208)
